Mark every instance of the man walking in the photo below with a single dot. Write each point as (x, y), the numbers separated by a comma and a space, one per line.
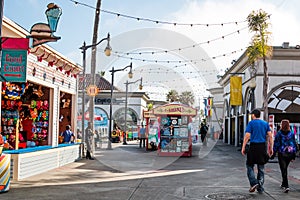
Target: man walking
(142, 136)
(90, 142)
(203, 133)
(258, 132)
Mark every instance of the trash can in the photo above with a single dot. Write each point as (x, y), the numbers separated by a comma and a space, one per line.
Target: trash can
(4, 172)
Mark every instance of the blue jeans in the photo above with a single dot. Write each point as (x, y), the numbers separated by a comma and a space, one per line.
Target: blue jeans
(260, 176)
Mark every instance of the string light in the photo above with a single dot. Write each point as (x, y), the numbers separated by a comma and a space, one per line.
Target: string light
(177, 61)
(158, 21)
(182, 48)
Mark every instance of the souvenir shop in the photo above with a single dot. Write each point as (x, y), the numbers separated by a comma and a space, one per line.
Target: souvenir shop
(174, 129)
(34, 112)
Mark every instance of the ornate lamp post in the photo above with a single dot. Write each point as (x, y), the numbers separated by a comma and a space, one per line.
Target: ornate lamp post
(126, 102)
(107, 52)
(130, 75)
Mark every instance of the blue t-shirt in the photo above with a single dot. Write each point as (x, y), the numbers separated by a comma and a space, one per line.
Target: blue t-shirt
(67, 136)
(258, 130)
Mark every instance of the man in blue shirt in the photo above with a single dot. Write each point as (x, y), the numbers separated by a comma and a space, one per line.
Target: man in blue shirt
(142, 136)
(68, 135)
(258, 132)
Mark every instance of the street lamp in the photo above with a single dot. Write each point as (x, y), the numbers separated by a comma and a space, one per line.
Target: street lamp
(126, 102)
(107, 52)
(130, 75)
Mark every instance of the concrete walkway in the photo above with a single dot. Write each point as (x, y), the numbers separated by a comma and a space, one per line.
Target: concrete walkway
(216, 171)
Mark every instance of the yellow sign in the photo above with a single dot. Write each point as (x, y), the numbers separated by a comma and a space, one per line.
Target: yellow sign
(175, 109)
(92, 90)
(236, 91)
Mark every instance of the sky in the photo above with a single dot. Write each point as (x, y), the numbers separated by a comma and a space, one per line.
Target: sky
(220, 43)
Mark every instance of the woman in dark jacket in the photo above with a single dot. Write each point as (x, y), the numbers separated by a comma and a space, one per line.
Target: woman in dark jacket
(286, 147)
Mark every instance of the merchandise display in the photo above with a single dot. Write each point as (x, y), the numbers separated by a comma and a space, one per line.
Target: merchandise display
(174, 136)
(26, 113)
(173, 129)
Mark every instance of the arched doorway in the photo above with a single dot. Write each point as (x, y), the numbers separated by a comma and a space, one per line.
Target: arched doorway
(132, 122)
(284, 103)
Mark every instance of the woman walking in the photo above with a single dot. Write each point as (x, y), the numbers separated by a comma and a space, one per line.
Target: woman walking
(286, 147)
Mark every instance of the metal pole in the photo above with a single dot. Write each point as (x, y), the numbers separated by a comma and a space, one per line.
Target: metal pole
(1, 17)
(126, 102)
(83, 94)
(110, 109)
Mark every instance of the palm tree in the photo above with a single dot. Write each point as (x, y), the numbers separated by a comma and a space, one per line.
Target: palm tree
(172, 96)
(259, 49)
(187, 98)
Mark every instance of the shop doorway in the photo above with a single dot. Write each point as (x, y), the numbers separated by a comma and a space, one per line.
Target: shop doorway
(232, 131)
(226, 131)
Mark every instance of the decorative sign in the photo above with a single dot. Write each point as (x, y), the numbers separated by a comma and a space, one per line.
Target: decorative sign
(148, 114)
(13, 65)
(175, 109)
(236, 95)
(92, 90)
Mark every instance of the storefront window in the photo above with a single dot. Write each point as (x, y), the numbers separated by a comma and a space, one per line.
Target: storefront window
(24, 110)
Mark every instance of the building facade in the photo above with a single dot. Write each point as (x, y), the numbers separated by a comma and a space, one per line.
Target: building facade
(46, 100)
(136, 104)
(282, 94)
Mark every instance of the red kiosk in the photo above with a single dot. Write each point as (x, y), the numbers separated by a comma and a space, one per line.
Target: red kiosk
(174, 130)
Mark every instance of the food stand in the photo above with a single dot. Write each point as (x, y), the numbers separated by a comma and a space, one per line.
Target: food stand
(174, 131)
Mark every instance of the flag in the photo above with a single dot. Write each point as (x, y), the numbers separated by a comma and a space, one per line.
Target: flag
(208, 103)
(236, 91)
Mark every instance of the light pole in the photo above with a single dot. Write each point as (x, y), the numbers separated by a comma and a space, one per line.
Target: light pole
(91, 107)
(111, 99)
(126, 102)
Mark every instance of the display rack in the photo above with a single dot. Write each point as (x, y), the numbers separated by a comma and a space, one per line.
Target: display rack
(174, 131)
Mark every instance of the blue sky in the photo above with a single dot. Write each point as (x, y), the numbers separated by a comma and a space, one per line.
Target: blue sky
(76, 25)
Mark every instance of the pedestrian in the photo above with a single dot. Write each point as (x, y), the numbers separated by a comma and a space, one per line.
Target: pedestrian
(261, 148)
(90, 142)
(142, 136)
(68, 135)
(203, 133)
(286, 147)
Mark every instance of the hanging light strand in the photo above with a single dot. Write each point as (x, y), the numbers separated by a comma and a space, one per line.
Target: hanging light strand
(158, 21)
(177, 61)
(182, 48)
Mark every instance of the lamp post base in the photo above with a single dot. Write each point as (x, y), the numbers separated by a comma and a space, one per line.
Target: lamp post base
(109, 145)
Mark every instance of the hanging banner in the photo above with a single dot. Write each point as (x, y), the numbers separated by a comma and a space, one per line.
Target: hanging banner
(208, 103)
(236, 91)
(13, 65)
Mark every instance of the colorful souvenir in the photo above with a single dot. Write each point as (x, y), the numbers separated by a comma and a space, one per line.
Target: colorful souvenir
(45, 115)
(46, 105)
(38, 105)
(34, 114)
(33, 104)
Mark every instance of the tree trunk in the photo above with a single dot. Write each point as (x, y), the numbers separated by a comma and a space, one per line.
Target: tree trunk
(265, 90)
(93, 60)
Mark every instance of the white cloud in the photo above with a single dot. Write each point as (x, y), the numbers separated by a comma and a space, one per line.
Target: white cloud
(285, 26)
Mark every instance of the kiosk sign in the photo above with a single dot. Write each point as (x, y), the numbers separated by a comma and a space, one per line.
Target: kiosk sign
(13, 65)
